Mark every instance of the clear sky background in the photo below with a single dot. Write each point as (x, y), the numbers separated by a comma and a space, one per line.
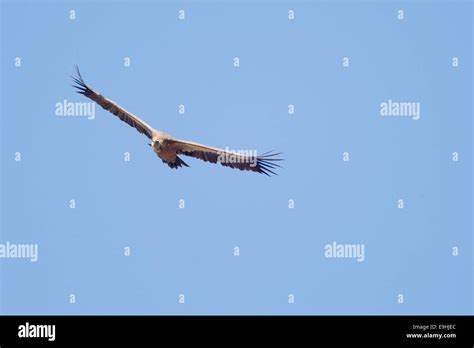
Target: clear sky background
(189, 251)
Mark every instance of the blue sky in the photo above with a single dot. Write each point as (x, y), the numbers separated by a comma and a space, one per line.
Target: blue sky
(190, 251)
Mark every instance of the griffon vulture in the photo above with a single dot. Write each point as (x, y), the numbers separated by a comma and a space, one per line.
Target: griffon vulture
(168, 148)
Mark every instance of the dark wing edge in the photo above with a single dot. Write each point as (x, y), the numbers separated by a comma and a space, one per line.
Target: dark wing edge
(264, 163)
(107, 104)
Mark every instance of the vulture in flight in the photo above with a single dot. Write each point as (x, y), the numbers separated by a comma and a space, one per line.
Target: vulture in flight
(169, 148)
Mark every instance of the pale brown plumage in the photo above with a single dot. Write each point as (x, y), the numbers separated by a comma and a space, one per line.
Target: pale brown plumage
(168, 148)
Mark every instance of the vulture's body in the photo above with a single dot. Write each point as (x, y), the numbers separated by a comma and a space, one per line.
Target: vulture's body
(169, 148)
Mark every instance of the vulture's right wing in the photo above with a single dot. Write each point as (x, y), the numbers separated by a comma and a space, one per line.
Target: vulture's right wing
(110, 106)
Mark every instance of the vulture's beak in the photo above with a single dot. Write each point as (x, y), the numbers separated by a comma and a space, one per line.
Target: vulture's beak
(149, 144)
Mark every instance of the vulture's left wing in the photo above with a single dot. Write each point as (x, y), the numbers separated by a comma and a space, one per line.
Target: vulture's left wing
(264, 163)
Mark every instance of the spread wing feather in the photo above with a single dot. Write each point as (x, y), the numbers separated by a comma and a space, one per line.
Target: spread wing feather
(112, 107)
(264, 163)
